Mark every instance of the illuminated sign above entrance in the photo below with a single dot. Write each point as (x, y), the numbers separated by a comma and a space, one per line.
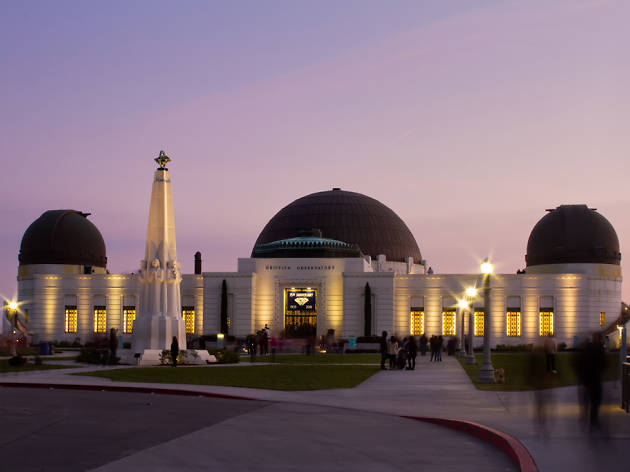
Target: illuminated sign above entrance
(301, 300)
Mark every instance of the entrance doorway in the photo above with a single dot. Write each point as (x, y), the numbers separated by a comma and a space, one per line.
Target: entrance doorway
(300, 312)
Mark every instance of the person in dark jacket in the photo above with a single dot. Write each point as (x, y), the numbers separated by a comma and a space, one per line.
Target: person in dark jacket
(174, 351)
(113, 346)
(383, 349)
(412, 352)
(423, 345)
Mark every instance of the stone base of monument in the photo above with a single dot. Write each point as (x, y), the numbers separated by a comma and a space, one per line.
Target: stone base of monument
(152, 357)
(192, 357)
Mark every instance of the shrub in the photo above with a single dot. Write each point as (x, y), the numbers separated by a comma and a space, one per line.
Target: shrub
(92, 355)
(38, 360)
(369, 339)
(17, 361)
(126, 345)
(513, 348)
(562, 347)
(225, 356)
(165, 357)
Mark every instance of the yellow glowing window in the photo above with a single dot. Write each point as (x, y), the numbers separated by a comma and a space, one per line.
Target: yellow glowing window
(513, 323)
(100, 319)
(479, 323)
(188, 313)
(129, 315)
(602, 319)
(417, 322)
(70, 323)
(448, 323)
(546, 322)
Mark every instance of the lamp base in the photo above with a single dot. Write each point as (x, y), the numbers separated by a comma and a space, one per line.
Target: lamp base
(486, 374)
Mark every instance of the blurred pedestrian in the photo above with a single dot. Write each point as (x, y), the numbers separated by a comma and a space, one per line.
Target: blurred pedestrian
(174, 351)
(593, 364)
(440, 347)
(423, 345)
(392, 349)
(412, 353)
(550, 353)
(540, 378)
(383, 349)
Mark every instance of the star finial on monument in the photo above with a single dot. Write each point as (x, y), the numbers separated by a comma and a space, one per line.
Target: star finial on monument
(162, 160)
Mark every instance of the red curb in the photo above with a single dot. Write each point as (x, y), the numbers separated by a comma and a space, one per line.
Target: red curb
(115, 388)
(508, 444)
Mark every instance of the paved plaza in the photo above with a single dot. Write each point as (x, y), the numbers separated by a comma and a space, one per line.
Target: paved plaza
(346, 429)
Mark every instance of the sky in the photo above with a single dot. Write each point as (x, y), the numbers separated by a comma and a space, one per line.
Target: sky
(467, 118)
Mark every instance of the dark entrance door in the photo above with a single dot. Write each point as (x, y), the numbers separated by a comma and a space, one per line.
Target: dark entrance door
(300, 312)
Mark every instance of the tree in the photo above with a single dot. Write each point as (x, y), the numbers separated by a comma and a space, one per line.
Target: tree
(367, 310)
(224, 308)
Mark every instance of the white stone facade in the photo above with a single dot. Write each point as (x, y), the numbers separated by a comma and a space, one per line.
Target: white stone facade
(579, 294)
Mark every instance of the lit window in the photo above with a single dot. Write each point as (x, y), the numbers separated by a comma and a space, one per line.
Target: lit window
(129, 315)
(70, 324)
(448, 323)
(602, 319)
(100, 319)
(417, 321)
(479, 323)
(188, 313)
(513, 323)
(546, 322)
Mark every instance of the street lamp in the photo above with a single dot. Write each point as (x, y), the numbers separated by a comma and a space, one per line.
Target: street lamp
(471, 292)
(486, 372)
(463, 306)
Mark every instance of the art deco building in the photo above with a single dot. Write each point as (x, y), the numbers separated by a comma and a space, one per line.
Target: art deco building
(311, 269)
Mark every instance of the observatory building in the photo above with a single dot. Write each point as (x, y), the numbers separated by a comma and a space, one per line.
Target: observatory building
(335, 260)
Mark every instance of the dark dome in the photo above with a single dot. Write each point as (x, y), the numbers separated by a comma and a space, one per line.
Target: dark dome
(63, 237)
(348, 217)
(573, 234)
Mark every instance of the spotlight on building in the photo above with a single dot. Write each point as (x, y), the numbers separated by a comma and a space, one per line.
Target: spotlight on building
(463, 304)
(13, 305)
(471, 292)
(486, 267)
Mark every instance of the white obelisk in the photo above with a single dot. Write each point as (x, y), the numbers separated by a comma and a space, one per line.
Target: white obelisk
(159, 317)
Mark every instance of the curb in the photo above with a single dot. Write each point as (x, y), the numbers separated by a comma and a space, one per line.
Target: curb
(503, 441)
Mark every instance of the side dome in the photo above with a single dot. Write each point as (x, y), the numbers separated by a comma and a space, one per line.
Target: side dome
(63, 237)
(573, 234)
(348, 217)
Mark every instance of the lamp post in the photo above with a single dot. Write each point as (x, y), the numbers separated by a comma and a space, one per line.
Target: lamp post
(463, 306)
(486, 372)
(12, 308)
(471, 292)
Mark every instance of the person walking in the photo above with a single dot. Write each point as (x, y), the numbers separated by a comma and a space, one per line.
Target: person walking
(423, 345)
(432, 343)
(174, 351)
(412, 352)
(392, 348)
(550, 353)
(439, 346)
(383, 349)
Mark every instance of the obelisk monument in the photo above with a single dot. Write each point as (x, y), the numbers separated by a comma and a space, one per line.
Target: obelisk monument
(159, 317)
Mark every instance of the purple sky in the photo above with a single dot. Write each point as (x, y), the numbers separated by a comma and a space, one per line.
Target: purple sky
(467, 119)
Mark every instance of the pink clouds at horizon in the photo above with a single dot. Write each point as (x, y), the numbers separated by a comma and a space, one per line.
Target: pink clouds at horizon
(468, 128)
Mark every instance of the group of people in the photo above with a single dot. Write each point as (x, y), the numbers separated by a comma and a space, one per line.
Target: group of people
(402, 353)
(259, 342)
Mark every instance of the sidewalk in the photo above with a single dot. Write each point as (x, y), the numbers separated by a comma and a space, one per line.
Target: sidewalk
(437, 390)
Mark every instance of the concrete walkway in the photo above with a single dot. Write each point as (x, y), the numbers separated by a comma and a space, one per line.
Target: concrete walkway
(441, 390)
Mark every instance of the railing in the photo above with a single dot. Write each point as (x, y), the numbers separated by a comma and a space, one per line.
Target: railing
(625, 386)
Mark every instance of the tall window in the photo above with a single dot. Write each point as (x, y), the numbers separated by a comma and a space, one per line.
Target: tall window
(514, 322)
(100, 319)
(188, 313)
(546, 321)
(417, 321)
(479, 323)
(448, 322)
(129, 315)
(602, 318)
(70, 322)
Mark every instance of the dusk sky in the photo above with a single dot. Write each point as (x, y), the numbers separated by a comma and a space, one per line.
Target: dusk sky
(467, 118)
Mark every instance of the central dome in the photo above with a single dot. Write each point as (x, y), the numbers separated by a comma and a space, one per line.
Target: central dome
(344, 216)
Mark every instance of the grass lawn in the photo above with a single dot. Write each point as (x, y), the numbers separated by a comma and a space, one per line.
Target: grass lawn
(320, 359)
(5, 367)
(515, 365)
(274, 377)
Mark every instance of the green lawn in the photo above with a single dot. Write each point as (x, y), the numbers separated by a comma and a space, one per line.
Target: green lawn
(517, 378)
(5, 367)
(320, 359)
(274, 377)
